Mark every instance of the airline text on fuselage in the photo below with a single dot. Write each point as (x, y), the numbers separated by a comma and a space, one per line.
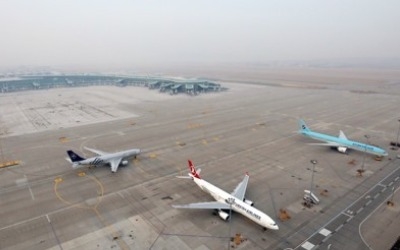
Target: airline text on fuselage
(248, 211)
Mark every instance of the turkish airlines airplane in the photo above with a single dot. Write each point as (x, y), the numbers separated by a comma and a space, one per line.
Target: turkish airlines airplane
(224, 201)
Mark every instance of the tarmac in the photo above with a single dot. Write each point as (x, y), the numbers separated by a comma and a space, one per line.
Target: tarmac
(45, 204)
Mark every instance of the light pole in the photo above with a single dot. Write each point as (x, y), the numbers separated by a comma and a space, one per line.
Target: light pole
(398, 133)
(365, 152)
(312, 179)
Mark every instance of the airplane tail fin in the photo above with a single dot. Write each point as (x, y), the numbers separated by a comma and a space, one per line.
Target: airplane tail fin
(74, 157)
(303, 126)
(193, 172)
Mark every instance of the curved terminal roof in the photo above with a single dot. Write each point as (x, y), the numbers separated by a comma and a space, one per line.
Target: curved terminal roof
(56, 81)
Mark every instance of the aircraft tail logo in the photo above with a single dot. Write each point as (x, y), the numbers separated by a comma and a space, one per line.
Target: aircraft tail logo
(74, 157)
(303, 126)
(193, 171)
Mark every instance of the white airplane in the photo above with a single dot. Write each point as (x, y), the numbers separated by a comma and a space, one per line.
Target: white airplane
(224, 201)
(103, 158)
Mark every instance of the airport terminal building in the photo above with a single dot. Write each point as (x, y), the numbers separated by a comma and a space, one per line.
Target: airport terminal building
(190, 87)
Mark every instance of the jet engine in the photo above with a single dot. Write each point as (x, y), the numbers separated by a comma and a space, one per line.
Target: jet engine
(248, 202)
(223, 215)
(342, 149)
(125, 162)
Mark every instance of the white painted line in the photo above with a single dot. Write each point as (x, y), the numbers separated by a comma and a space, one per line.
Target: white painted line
(29, 187)
(21, 182)
(396, 178)
(368, 202)
(359, 210)
(325, 232)
(48, 218)
(30, 191)
(120, 194)
(376, 196)
(307, 245)
(338, 228)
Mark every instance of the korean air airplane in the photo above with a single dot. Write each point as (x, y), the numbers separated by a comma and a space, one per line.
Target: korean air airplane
(103, 158)
(224, 201)
(341, 142)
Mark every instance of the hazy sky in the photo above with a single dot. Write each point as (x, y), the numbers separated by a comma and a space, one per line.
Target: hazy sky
(131, 32)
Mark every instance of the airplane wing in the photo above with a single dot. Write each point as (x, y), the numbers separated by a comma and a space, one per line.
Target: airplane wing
(240, 189)
(96, 151)
(204, 205)
(115, 164)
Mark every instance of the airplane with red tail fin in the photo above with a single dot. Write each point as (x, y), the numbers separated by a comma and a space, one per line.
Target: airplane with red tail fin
(235, 201)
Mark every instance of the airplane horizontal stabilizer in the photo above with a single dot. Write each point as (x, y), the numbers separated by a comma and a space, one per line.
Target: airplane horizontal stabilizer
(75, 165)
(184, 177)
(68, 160)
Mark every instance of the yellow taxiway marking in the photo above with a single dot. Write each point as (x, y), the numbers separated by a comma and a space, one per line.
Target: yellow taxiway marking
(204, 141)
(63, 139)
(153, 155)
(9, 164)
(114, 233)
(58, 180)
(194, 125)
(81, 174)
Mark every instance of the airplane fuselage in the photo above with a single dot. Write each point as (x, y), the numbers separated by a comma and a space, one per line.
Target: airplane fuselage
(345, 143)
(238, 206)
(105, 159)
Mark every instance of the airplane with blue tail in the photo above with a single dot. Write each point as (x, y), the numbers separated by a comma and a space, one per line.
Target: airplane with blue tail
(341, 142)
(102, 158)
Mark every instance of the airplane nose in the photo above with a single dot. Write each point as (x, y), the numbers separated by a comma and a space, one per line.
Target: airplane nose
(274, 226)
